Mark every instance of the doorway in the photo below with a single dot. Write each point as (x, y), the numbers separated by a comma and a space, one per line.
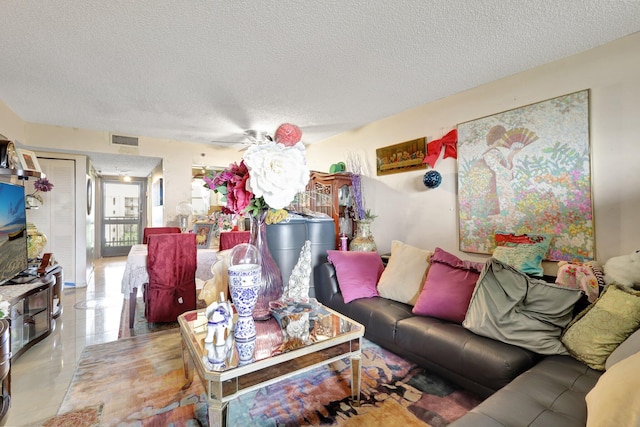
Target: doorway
(123, 210)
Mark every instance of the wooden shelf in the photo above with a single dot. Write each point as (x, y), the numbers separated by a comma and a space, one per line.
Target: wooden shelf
(21, 174)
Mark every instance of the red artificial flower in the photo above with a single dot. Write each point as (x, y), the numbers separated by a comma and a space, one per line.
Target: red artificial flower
(238, 197)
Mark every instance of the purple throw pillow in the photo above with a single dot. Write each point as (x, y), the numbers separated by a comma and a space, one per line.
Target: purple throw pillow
(448, 287)
(357, 272)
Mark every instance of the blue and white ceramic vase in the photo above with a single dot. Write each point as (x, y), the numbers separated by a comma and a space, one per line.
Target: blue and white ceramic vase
(244, 285)
(246, 351)
(245, 329)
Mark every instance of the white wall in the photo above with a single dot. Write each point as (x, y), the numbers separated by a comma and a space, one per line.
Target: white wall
(178, 156)
(410, 212)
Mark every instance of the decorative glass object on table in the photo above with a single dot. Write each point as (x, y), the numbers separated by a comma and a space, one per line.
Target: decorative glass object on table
(271, 282)
(184, 211)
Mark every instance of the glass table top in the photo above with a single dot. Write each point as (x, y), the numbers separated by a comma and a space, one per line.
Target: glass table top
(289, 336)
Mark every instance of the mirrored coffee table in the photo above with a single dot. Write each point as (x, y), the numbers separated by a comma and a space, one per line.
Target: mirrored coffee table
(278, 352)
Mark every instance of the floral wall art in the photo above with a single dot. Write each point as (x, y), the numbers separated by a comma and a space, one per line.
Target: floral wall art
(527, 170)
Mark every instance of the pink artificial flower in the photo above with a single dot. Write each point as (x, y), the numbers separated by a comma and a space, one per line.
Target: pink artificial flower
(288, 134)
(234, 180)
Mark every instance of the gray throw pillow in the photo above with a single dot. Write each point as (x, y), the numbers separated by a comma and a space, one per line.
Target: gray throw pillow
(514, 308)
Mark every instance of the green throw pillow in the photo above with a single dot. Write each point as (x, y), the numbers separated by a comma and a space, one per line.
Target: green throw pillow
(596, 332)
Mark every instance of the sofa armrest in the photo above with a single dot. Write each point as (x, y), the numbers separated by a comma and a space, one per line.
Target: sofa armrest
(328, 286)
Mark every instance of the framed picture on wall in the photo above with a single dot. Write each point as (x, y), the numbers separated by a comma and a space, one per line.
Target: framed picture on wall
(403, 157)
(204, 233)
(28, 160)
(527, 171)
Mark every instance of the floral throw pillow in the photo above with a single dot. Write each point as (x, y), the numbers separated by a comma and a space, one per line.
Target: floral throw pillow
(524, 252)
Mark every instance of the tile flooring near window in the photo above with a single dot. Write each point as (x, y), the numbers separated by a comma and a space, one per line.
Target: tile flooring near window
(91, 315)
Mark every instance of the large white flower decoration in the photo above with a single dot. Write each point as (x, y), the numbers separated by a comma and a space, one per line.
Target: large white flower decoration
(276, 172)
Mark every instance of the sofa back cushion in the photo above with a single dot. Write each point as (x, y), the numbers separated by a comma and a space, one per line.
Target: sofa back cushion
(448, 287)
(404, 275)
(357, 272)
(629, 347)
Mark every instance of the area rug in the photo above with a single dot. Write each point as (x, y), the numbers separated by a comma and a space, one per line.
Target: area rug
(140, 324)
(137, 381)
(85, 417)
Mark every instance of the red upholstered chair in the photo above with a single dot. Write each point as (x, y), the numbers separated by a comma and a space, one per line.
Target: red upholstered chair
(171, 264)
(229, 239)
(148, 231)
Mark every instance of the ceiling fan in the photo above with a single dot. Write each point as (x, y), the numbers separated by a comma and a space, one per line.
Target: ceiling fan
(248, 137)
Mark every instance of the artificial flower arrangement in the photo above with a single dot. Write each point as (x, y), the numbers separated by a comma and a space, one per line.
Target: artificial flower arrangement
(267, 178)
(361, 213)
(41, 185)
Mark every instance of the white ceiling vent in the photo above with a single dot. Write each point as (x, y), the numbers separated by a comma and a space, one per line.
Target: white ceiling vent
(129, 141)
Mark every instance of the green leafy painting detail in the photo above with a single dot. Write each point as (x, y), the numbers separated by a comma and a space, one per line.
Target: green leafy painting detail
(528, 171)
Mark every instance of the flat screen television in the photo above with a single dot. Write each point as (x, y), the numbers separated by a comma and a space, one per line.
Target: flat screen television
(13, 231)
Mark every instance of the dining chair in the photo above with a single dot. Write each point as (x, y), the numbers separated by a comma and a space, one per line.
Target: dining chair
(148, 231)
(171, 264)
(229, 239)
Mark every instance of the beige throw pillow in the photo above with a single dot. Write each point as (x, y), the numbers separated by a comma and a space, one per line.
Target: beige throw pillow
(404, 275)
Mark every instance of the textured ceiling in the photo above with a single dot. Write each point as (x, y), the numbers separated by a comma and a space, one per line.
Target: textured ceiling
(208, 70)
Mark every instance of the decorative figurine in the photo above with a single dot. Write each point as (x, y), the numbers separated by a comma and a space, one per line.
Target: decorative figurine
(219, 356)
(220, 320)
(298, 287)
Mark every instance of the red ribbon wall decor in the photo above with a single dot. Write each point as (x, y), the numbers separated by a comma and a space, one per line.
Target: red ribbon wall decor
(434, 148)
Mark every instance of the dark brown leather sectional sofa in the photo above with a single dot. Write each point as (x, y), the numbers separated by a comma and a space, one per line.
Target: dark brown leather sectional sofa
(522, 388)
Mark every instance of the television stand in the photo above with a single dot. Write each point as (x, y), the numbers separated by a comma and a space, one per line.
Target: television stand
(30, 312)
